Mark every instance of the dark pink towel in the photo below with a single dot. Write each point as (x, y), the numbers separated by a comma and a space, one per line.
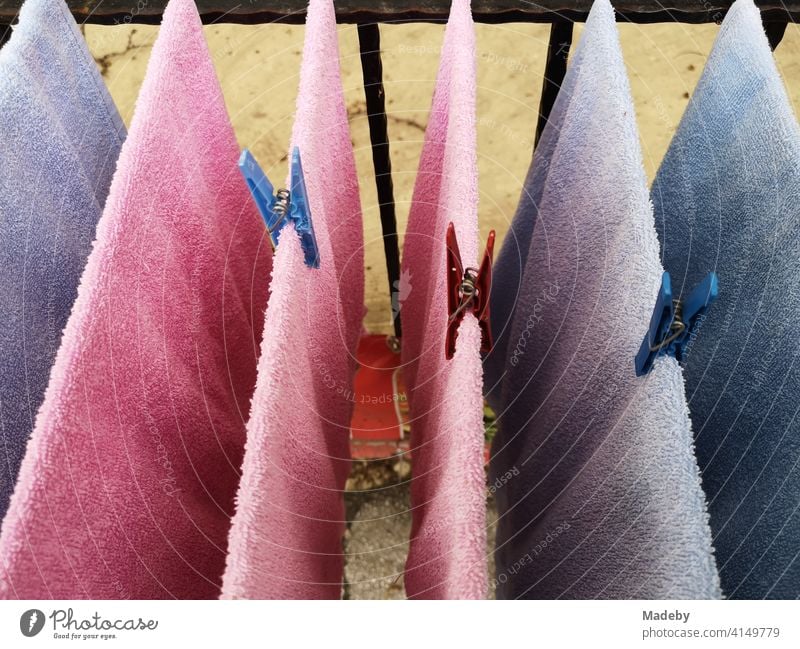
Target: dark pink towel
(127, 487)
(286, 537)
(448, 538)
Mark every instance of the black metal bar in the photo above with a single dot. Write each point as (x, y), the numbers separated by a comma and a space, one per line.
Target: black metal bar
(554, 70)
(5, 34)
(370, 11)
(775, 32)
(369, 40)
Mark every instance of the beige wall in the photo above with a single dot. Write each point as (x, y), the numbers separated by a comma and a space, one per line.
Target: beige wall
(258, 68)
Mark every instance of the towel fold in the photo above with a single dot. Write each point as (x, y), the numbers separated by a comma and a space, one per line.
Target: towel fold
(726, 198)
(60, 136)
(597, 487)
(447, 557)
(286, 539)
(128, 483)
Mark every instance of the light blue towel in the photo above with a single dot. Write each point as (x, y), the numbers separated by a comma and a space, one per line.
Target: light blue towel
(727, 198)
(60, 135)
(595, 478)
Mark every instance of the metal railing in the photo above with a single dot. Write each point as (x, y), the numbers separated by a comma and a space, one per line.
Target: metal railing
(367, 14)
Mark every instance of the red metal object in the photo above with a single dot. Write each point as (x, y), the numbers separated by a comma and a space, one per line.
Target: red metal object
(468, 290)
(380, 409)
(379, 426)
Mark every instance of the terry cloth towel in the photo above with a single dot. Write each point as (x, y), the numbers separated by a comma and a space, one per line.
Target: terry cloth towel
(726, 199)
(60, 136)
(447, 557)
(511, 262)
(597, 487)
(128, 483)
(286, 539)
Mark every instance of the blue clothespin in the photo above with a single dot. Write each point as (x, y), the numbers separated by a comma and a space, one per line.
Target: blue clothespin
(673, 321)
(278, 208)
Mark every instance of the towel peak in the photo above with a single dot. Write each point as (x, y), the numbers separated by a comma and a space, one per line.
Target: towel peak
(183, 13)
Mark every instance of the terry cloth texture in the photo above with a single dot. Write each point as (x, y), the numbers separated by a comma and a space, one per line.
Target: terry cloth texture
(60, 136)
(597, 486)
(447, 557)
(128, 483)
(726, 199)
(286, 540)
(510, 263)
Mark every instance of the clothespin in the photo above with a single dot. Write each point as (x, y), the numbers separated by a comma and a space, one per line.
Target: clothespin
(467, 290)
(279, 208)
(674, 320)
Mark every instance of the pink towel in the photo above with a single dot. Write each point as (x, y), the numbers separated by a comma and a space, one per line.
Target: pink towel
(286, 537)
(128, 484)
(448, 538)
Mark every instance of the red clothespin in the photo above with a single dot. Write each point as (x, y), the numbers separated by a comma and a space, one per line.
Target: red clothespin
(467, 290)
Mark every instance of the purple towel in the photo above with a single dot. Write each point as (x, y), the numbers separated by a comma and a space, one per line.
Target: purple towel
(597, 487)
(60, 136)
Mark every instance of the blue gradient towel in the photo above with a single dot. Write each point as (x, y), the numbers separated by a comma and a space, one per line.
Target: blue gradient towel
(596, 482)
(60, 135)
(727, 198)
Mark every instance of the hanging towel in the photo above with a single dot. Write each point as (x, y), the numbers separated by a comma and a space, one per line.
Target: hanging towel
(128, 483)
(511, 262)
(447, 557)
(60, 136)
(597, 487)
(726, 199)
(286, 539)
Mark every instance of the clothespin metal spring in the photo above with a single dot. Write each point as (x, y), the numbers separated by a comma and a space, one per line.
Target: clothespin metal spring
(676, 328)
(284, 206)
(467, 290)
(673, 321)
